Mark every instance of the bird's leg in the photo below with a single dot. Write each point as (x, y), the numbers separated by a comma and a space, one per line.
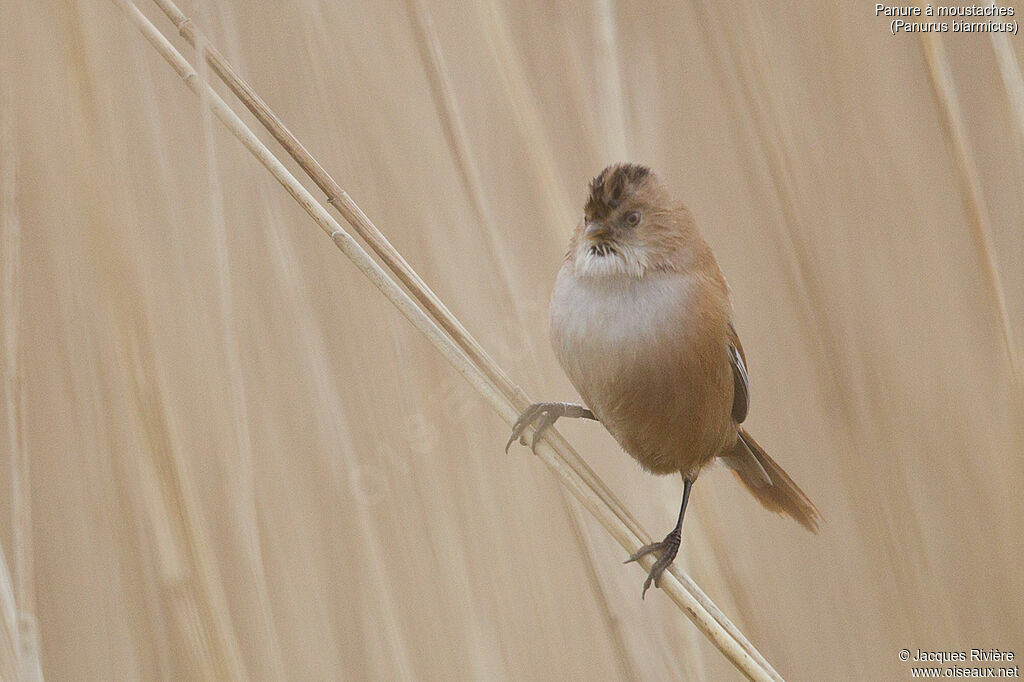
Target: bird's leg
(545, 414)
(668, 547)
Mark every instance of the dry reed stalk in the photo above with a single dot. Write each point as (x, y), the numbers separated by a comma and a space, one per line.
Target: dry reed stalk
(970, 187)
(1013, 83)
(610, 93)
(314, 350)
(478, 377)
(757, 94)
(9, 636)
(379, 244)
(183, 575)
(528, 120)
(8, 623)
(241, 495)
(450, 116)
(23, 583)
(440, 81)
(526, 116)
(184, 558)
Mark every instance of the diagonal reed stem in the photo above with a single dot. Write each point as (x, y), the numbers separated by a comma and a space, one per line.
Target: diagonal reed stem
(22, 571)
(970, 188)
(394, 261)
(379, 244)
(1013, 83)
(477, 368)
(453, 126)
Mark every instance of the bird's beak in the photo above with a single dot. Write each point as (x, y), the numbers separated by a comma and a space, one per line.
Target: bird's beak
(595, 230)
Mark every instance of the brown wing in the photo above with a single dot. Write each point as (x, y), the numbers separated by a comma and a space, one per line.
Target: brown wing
(740, 381)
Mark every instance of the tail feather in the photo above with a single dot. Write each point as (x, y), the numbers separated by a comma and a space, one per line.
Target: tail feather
(781, 495)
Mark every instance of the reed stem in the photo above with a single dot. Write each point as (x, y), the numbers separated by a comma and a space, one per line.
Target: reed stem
(472, 362)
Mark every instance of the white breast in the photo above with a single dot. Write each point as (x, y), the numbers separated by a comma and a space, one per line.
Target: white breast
(611, 332)
(643, 354)
(618, 314)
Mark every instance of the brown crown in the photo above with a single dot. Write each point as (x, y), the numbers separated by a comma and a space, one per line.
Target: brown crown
(611, 186)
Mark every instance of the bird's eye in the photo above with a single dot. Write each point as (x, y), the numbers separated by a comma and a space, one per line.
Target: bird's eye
(633, 217)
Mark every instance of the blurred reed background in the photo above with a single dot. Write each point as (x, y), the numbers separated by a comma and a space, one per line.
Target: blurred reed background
(225, 451)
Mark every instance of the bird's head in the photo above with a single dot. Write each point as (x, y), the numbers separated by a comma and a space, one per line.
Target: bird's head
(630, 225)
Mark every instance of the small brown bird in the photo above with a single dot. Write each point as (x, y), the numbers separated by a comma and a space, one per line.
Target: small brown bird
(641, 321)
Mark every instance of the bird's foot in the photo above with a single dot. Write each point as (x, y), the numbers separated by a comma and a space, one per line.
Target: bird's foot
(667, 549)
(544, 414)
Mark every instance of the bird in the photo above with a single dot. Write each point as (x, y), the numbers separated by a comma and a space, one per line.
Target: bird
(641, 322)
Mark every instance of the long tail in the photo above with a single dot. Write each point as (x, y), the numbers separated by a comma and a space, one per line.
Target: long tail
(777, 492)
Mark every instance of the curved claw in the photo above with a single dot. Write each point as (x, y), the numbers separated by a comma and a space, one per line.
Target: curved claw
(644, 551)
(548, 413)
(547, 418)
(525, 419)
(668, 547)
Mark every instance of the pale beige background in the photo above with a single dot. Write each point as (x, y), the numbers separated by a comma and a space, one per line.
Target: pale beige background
(239, 451)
